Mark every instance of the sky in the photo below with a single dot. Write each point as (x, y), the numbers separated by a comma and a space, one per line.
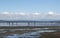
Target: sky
(39, 9)
(30, 6)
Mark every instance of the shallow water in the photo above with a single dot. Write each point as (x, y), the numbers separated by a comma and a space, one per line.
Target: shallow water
(28, 35)
(31, 24)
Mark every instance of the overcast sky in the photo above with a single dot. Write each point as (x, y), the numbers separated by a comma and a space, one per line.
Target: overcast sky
(29, 9)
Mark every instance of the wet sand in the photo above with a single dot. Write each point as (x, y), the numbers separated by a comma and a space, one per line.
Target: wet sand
(12, 31)
(50, 35)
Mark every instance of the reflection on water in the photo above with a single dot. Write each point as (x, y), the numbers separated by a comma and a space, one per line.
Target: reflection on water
(28, 35)
(12, 36)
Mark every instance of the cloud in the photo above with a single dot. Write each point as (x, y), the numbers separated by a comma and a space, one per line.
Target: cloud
(50, 13)
(21, 13)
(35, 14)
(28, 16)
(5, 13)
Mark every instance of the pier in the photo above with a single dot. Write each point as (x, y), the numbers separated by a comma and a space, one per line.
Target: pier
(28, 22)
(11, 24)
